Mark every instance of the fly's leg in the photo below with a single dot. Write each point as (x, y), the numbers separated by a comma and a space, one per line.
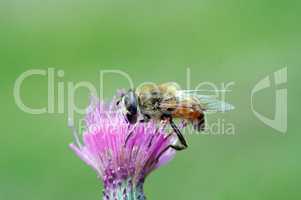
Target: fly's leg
(145, 119)
(183, 144)
(175, 147)
(128, 137)
(179, 135)
(162, 126)
(130, 134)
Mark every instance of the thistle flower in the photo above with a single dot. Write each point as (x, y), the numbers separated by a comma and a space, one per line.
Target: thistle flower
(122, 155)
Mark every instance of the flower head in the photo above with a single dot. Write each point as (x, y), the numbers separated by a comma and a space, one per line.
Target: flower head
(122, 154)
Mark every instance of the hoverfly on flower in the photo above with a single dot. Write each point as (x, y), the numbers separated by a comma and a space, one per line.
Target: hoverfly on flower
(167, 101)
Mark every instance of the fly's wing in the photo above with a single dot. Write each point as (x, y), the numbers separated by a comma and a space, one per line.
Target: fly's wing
(211, 104)
(208, 104)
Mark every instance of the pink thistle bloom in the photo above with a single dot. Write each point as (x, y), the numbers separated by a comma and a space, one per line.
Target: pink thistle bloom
(121, 154)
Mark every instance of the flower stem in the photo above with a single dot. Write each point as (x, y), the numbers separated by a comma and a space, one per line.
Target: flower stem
(123, 190)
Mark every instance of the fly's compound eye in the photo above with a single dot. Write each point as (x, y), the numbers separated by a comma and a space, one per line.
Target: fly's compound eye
(130, 103)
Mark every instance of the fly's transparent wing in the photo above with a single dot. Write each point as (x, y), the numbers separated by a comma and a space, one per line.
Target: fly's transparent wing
(211, 104)
(208, 104)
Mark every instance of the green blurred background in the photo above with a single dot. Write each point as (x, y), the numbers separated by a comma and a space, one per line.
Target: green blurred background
(220, 41)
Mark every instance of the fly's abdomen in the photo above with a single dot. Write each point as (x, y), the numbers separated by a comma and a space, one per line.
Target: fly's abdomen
(196, 117)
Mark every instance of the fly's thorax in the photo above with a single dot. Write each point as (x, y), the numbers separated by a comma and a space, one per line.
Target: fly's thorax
(149, 109)
(149, 101)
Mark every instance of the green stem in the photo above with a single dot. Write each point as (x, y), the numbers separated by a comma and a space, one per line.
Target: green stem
(124, 190)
